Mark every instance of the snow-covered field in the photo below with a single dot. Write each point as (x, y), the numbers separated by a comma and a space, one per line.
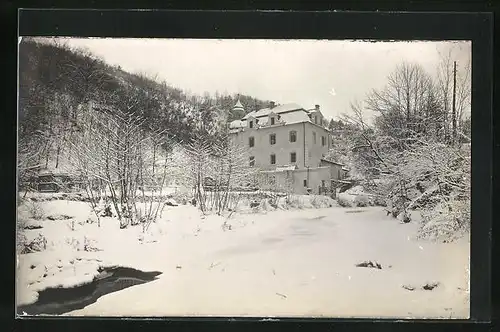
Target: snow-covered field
(276, 263)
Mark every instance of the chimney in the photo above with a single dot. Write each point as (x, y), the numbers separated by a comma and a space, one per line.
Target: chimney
(272, 104)
(316, 107)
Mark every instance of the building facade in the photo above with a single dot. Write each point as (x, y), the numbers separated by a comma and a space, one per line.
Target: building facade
(287, 144)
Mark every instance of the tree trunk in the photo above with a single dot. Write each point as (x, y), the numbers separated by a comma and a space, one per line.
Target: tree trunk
(454, 110)
(57, 155)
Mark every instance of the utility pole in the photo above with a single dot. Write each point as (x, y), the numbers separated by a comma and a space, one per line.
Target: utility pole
(454, 111)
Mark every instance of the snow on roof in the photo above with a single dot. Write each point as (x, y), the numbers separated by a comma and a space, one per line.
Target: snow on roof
(238, 105)
(286, 168)
(54, 173)
(251, 114)
(295, 117)
(277, 110)
(282, 168)
(288, 113)
(237, 124)
(342, 181)
(332, 162)
(263, 121)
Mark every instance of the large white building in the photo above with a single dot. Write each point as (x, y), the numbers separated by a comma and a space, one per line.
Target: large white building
(288, 144)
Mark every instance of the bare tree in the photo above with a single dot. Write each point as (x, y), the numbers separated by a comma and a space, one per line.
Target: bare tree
(152, 174)
(111, 151)
(444, 89)
(372, 149)
(407, 104)
(90, 155)
(28, 161)
(201, 161)
(234, 172)
(89, 76)
(416, 167)
(217, 172)
(441, 174)
(60, 128)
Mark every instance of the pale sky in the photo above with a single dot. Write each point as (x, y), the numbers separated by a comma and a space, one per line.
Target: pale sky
(286, 71)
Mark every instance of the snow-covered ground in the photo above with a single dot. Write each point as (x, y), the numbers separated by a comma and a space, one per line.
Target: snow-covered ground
(276, 263)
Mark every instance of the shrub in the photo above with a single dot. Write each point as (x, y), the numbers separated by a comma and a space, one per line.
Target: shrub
(379, 201)
(36, 210)
(21, 238)
(265, 205)
(21, 242)
(293, 201)
(344, 200)
(90, 245)
(446, 221)
(361, 201)
(315, 202)
(37, 244)
(181, 197)
(283, 204)
(322, 202)
(73, 243)
(306, 202)
(30, 224)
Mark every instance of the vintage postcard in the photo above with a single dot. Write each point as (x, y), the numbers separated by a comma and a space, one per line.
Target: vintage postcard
(243, 178)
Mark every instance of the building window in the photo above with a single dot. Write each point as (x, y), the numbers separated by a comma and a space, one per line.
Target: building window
(293, 157)
(272, 121)
(338, 175)
(314, 137)
(323, 140)
(273, 159)
(251, 141)
(316, 119)
(305, 183)
(252, 161)
(272, 139)
(293, 136)
(250, 124)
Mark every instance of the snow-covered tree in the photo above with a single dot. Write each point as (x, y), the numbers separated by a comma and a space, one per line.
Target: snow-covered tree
(405, 156)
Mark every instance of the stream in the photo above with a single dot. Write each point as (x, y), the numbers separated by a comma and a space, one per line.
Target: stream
(57, 301)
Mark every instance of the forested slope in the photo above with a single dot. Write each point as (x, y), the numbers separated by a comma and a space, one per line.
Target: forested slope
(56, 82)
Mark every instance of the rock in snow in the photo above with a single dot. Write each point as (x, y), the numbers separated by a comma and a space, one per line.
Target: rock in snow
(171, 202)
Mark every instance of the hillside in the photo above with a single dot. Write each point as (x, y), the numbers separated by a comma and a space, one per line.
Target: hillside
(56, 82)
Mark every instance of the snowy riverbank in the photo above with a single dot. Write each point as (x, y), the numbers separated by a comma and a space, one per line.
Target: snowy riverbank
(276, 263)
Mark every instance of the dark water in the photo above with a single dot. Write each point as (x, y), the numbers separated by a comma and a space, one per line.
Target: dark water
(57, 301)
